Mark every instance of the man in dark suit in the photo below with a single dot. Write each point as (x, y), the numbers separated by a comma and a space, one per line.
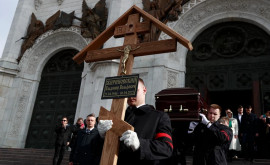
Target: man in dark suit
(238, 116)
(62, 140)
(88, 145)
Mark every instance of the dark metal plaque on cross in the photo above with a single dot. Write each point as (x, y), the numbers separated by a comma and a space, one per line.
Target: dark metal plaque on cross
(128, 26)
(120, 87)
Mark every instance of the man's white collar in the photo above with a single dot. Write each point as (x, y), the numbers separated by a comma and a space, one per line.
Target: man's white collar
(140, 105)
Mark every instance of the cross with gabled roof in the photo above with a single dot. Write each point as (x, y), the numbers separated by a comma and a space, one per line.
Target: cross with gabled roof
(128, 26)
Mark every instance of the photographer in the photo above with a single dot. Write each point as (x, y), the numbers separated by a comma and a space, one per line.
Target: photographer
(62, 140)
(211, 139)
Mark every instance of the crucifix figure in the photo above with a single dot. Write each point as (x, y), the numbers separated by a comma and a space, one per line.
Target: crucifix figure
(128, 26)
(126, 51)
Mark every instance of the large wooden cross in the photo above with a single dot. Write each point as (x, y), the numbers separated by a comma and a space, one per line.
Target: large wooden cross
(130, 49)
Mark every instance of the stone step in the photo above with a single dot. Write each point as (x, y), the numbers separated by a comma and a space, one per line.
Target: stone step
(26, 156)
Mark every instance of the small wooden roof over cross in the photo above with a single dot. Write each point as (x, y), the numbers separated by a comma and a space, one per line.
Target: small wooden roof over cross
(109, 32)
(128, 26)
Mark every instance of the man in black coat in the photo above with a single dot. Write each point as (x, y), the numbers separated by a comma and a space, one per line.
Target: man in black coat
(151, 140)
(211, 139)
(62, 140)
(249, 131)
(88, 146)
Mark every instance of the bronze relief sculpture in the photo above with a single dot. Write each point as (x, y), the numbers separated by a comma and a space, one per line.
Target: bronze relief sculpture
(34, 30)
(94, 20)
(163, 10)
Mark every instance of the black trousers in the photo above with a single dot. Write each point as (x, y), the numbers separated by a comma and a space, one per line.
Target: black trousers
(59, 154)
(248, 145)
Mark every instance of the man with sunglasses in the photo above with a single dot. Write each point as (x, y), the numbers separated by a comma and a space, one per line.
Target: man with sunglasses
(62, 140)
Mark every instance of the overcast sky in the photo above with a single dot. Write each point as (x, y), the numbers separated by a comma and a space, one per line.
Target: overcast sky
(7, 11)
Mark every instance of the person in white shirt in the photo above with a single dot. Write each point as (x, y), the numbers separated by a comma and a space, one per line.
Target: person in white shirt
(235, 144)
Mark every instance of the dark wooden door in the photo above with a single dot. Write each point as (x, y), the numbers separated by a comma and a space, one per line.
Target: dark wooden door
(57, 96)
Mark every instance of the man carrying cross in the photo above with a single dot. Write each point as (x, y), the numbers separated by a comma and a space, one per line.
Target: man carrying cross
(151, 139)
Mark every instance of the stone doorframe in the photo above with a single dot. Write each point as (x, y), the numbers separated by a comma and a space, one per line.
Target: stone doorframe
(27, 80)
(198, 15)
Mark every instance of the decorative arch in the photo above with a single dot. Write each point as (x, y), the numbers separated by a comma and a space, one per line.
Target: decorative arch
(48, 44)
(201, 16)
(30, 70)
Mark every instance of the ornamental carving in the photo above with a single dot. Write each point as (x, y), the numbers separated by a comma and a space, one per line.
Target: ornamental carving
(206, 10)
(256, 46)
(21, 108)
(195, 81)
(216, 81)
(230, 40)
(203, 51)
(244, 80)
(172, 79)
(229, 56)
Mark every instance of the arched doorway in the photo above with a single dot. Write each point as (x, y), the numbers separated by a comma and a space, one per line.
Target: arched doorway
(230, 65)
(57, 96)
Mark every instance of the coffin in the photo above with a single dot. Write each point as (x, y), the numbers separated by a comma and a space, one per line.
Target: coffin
(180, 103)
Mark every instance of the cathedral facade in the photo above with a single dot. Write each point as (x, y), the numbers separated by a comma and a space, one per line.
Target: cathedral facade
(39, 81)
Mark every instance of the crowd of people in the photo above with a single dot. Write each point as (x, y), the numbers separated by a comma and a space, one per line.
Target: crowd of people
(250, 135)
(216, 139)
(245, 135)
(149, 143)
